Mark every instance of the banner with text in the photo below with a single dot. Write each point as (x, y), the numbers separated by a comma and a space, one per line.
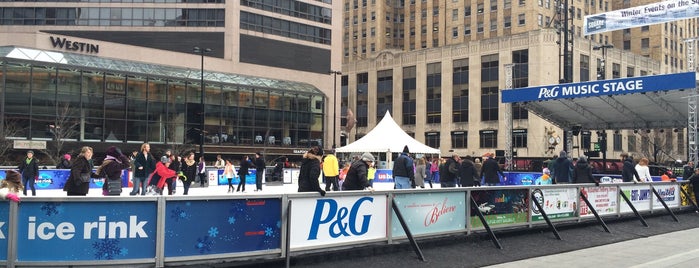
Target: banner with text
(56, 179)
(664, 11)
(602, 87)
(639, 195)
(427, 213)
(558, 203)
(202, 227)
(81, 231)
(669, 193)
(328, 221)
(603, 199)
(500, 206)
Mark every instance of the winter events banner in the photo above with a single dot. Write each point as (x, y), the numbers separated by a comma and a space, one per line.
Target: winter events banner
(662, 11)
(202, 227)
(603, 199)
(500, 206)
(86, 231)
(428, 213)
(558, 203)
(346, 219)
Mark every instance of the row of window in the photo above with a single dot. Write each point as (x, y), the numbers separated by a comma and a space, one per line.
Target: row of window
(292, 8)
(124, 1)
(157, 17)
(285, 28)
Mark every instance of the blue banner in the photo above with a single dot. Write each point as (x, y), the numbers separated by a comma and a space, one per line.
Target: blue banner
(249, 178)
(603, 87)
(82, 231)
(56, 179)
(202, 227)
(4, 221)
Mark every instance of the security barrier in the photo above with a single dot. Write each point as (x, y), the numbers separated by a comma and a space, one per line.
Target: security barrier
(168, 230)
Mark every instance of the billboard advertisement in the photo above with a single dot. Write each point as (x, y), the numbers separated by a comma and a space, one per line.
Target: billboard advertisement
(201, 227)
(669, 193)
(326, 221)
(662, 11)
(82, 231)
(639, 195)
(426, 213)
(558, 203)
(384, 175)
(499, 207)
(603, 199)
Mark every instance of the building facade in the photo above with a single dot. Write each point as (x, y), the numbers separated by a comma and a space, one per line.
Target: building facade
(127, 72)
(438, 67)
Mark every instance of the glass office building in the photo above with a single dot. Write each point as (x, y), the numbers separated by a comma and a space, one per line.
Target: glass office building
(95, 100)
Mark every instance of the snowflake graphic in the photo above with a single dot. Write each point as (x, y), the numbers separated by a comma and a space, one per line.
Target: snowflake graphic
(107, 249)
(204, 244)
(124, 252)
(50, 208)
(178, 214)
(269, 231)
(231, 220)
(213, 231)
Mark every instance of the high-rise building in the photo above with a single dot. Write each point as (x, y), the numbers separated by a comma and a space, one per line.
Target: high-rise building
(438, 66)
(126, 71)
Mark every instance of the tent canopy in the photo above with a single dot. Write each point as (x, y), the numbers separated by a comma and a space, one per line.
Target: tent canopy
(387, 136)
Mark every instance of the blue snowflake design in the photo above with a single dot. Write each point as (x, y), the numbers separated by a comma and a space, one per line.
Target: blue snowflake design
(271, 235)
(231, 220)
(204, 244)
(213, 232)
(107, 249)
(178, 214)
(50, 208)
(269, 231)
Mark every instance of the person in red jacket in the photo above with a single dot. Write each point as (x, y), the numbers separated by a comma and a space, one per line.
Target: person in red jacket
(161, 174)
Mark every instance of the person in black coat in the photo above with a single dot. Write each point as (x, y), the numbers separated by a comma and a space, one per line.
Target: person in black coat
(356, 178)
(112, 167)
(243, 172)
(562, 168)
(29, 168)
(582, 173)
(310, 171)
(628, 171)
(468, 173)
(81, 165)
(260, 166)
(189, 170)
(144, 165)
(491, 170)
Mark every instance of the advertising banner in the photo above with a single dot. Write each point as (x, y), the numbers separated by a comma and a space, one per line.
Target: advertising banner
(500, 206)
(202, 227)
(384, 175)
(669, 193)
(663, 11)
(526, 178)
(601, 88)
(427, 213)
(249, 178)
(639, 195)
(558, 203)
(603, 199)
(326, 221)
(82, 231)
(4, 222)
(56, 179)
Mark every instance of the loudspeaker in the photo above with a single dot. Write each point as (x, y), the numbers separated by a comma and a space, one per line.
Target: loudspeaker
(576, 130)
(499, 153)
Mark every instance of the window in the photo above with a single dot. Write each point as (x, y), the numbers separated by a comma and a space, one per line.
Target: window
(384, 93)
(480, 27)
(507, 4)
(521, 19)
(489, 87)
(645, 43)
(519, 138)
(467, 11)
(493, 5)
(455, 32)
(460, 90)
(454, 14)
(488, 139)
(409, 92)
(627, 44)
(467, 29)
(479, 8)
(617, 142)
(459, 139)
(362, 99)
(584, 68)
(631, 143)
(433, 100)
(540, 19)
(493, 25)
(616, 70)
(630, 71)
(508, 22)
(645, 28)
(432, 139)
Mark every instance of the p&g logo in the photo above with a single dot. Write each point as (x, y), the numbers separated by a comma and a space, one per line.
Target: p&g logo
(548, 92)
(342, 221)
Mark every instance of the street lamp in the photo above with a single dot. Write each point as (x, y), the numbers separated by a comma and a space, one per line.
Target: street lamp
(335, 73)
(201, 52)
(601, 75)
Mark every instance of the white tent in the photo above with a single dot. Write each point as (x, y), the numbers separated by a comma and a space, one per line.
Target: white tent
(387, 137)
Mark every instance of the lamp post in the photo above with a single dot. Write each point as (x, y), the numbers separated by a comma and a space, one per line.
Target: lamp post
(201, 52)
(335, 73)
(603, 70)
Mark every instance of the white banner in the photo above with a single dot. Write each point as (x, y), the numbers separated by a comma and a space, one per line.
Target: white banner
(558, 203)
(669, 193)
(603, 199)
(639, 195)
(325, 221)
(659, 12)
